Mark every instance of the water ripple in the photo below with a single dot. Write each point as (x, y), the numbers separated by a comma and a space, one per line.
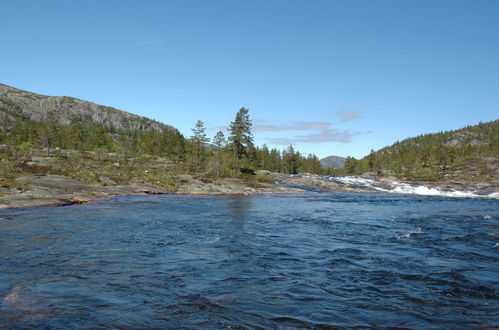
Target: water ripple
(313, 260)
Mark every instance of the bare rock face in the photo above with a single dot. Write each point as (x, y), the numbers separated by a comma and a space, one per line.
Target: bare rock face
(106, 181)
(16, 103)
(57, 190)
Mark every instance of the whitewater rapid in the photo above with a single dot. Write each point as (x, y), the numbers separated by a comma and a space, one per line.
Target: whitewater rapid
(396, 187)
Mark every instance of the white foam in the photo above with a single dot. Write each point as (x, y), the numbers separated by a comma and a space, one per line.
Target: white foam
(412, 233)
(406, 188)
(494, 195)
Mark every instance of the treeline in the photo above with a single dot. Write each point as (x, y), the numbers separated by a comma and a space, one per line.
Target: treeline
(237, 152)
(84, 135)
(470, 151)
(220, 155)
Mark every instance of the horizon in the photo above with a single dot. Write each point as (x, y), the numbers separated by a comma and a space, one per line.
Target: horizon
(224, 129)
(330, 78)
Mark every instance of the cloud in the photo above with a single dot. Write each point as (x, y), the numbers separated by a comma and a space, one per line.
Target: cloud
(346, 115)
(310, 132)
(295, 126)
(319, 132)
(147, 43)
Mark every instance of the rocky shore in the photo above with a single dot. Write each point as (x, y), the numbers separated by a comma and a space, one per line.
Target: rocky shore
(56, 190)
(366, 184)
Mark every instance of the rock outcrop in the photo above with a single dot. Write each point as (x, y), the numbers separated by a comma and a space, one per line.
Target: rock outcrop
(57, 190)
(16, 103)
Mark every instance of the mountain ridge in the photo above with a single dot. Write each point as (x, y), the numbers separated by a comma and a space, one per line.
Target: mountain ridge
(20, 104)
(333, 161)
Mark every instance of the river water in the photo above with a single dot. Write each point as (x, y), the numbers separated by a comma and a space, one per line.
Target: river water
(309, 260)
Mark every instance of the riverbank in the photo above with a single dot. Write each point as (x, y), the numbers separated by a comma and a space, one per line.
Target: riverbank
(57, 190)
(368, 184)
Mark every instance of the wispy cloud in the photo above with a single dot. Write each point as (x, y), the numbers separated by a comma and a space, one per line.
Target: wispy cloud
(262, 126)
(311, 132)
(319, 132)
(148, 43)
(347, 115)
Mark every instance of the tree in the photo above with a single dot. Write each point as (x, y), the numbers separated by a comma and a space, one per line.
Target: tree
(5, 125)
(219, 140)
(371, 160)
(198, 139)
(350, 165)
(291, 160)
(241, 138)
(49, 130)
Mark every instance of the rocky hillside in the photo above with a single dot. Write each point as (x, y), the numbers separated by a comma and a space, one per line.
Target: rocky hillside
(19, 104)
(333, 161)
(470, 153)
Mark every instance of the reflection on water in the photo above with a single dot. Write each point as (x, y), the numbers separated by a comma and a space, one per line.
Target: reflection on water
(293, 261)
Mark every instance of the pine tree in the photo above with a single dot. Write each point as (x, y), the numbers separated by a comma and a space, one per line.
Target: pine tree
(291, 160)
(219, 140)
(198, 139)
(350, 165)
(48, 130)
(241, 138)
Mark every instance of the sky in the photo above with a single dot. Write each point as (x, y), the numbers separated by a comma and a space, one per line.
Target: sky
(329, 77)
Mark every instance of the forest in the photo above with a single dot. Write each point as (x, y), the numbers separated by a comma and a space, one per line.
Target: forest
(470, 153)
(224, 155)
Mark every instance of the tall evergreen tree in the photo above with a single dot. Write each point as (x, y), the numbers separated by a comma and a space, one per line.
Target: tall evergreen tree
(291, 160)
(241, 138)
(198, 139)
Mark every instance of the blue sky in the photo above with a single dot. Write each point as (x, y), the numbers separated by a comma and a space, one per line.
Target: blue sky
(329, 77)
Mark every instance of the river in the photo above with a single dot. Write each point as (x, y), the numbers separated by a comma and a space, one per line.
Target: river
(315, 259)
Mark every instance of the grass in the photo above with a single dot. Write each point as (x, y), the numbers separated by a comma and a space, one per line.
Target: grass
(88, 167)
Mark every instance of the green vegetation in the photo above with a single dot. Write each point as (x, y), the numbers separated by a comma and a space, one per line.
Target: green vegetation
(470, 153)
(87, 151)
(85, 141)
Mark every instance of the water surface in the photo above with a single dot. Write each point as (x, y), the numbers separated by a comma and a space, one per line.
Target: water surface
(288, 261)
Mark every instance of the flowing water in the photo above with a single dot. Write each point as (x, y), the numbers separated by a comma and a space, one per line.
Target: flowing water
(310, 260)
(395, 187)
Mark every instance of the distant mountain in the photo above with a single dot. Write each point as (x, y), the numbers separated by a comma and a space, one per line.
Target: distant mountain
(19, 104)
(469, 153)
(333, 161)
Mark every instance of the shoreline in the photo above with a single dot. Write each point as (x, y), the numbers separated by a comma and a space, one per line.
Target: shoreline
(56, 190)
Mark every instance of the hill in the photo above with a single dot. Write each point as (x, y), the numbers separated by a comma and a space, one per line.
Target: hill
(469, 153)
(19, 104)
(60, 150)
(332, 161)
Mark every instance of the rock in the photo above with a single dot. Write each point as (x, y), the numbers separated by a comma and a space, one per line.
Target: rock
(41, 161)
(185, 178)
(80, 200)
(107, 181)
(56, 182)
(56, 190)
(35, 107)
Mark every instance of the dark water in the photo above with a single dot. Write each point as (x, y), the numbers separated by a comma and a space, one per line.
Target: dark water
(299, 261)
